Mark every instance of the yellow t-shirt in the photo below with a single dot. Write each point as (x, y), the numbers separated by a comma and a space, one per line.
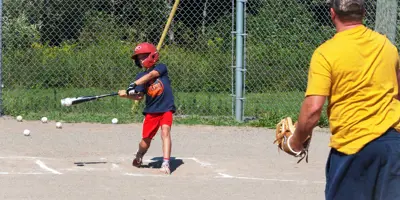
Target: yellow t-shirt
(356, 69)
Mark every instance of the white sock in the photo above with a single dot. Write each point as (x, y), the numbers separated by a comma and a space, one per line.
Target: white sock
(166, 161)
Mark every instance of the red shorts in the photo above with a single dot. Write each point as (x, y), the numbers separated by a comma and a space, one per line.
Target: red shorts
(153, 121)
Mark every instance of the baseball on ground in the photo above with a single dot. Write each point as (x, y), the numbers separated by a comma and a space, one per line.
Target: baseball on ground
(58, 125)
(114, 120)
(19, 118)
(44, 120)
(27, 132)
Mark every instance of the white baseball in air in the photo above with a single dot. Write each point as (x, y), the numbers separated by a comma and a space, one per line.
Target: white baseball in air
(44, 119)
(114, 120)
(58, 125)
(19, 118)
(27, 132)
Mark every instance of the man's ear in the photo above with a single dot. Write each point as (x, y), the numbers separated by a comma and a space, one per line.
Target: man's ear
(333, 13)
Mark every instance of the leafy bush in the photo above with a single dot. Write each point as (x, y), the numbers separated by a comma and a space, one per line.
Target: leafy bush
(280, 44)
(18, 33)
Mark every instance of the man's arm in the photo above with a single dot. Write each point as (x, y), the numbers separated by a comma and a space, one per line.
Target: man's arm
(310, 114)
(318, 88)
(398, 78)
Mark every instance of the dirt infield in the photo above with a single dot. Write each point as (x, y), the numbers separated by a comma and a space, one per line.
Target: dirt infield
(208, 162)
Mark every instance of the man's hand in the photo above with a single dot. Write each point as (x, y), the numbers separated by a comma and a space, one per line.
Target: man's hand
(286, 141)
(296, 144)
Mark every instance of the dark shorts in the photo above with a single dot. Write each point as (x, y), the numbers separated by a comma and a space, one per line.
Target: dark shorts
(371, 174)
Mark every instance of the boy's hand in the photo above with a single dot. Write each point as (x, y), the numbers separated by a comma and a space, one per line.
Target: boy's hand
(122, 93)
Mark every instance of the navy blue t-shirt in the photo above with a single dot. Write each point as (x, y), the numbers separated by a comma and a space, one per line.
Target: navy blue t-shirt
(159, 96)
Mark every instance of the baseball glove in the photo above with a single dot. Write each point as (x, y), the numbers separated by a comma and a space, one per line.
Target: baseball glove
(284, 131)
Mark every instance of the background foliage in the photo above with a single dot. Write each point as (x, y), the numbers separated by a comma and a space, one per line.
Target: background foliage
(54, 49)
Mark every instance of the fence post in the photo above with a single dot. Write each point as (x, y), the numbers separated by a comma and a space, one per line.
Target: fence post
(239, 70)
(1, 59)
(385, 19)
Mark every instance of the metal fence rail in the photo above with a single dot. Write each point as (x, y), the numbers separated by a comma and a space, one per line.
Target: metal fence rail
(226, 58)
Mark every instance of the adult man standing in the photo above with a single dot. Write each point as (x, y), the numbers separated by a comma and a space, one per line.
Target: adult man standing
(358, 71)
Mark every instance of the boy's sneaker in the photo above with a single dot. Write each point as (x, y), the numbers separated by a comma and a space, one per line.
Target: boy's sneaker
(165, 168)
(137, 162)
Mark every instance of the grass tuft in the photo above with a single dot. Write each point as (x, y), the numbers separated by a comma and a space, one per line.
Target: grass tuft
(261, 110)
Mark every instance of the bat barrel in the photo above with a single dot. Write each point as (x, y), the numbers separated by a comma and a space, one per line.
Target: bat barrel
(78, 100)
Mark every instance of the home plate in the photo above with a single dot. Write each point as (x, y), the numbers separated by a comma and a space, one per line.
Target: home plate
(183, 167)
(88, 165)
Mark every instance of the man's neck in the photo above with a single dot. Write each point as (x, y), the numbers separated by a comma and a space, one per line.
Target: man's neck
(346, 26)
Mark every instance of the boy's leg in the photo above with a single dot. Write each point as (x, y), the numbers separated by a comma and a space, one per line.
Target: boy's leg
(150, 128)
(143, 147)
(166, 139)
(166, 123)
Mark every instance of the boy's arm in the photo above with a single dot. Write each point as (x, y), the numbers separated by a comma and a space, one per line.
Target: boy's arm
(139, 96)
(158, 71)
(144, 79)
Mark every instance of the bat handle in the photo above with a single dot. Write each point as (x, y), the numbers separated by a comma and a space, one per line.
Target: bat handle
(107, 95)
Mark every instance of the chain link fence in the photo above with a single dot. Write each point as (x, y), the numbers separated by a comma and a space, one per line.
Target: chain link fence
(54, 49)
(282, 35)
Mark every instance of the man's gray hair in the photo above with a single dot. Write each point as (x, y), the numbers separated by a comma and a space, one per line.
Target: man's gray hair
(348, 9)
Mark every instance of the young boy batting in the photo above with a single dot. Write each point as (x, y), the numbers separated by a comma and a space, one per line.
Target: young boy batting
(154, 84)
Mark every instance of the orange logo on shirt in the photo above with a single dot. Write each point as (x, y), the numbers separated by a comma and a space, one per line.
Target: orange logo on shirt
(155, 89)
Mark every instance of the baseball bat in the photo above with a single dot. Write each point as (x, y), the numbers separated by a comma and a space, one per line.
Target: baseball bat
(81, 99)
(171, 16)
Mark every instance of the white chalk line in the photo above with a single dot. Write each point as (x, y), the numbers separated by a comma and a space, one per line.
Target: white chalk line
(24, 158)
(144, 175)
(20, 173)
(203, 164)
(76, 169)
(45, 167)
(221, 175)
(115, 167)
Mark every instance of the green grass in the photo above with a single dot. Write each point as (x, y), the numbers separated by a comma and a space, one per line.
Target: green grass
(261, 110)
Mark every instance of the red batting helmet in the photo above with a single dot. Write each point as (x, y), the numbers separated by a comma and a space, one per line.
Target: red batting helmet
(146, 48)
